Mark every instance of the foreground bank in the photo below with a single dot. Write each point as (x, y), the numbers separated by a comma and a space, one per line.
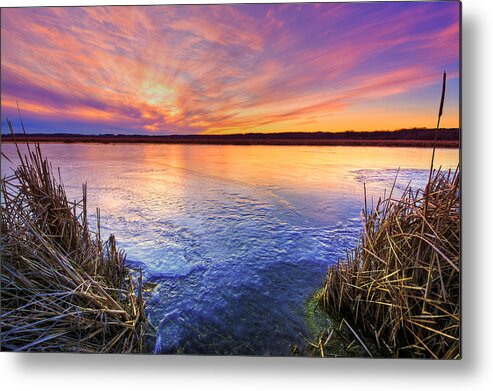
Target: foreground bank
(205, 318)
(62, 287)
(400, 287)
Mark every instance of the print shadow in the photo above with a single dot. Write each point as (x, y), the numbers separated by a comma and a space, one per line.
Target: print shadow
(230, 367)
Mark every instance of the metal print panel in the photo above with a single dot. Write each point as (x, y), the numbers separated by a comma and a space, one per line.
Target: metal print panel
(249, 179)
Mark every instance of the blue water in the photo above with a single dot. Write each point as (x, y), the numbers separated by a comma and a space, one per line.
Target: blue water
(236, 237)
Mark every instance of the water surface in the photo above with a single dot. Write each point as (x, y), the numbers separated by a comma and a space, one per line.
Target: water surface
(236, 237)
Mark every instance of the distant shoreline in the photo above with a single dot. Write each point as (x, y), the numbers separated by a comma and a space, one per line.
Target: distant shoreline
(419, 138)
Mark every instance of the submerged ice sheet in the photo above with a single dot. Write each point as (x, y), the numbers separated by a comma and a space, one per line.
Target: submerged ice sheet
(235, 238)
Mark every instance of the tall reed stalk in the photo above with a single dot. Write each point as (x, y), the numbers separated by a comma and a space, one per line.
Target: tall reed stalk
(401, 285)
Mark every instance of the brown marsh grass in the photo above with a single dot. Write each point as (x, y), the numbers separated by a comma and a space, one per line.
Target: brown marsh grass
(401, 285)
(62, 287)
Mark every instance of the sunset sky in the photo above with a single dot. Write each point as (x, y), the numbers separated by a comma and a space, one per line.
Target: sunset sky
(230, 68)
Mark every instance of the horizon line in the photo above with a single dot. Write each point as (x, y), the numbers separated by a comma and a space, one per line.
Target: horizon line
(47, 133)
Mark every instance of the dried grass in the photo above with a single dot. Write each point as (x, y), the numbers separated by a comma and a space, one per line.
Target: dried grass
(401, 285)
(62, 287)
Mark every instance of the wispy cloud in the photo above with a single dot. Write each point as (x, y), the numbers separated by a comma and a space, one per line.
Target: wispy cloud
(228, 68)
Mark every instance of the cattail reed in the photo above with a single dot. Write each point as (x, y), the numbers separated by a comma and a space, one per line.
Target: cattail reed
(401, 284)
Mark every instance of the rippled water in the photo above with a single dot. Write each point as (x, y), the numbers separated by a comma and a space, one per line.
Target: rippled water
(236, 237)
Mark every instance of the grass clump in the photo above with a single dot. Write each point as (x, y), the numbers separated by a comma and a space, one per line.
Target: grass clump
(62, 287)
(401, 285)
